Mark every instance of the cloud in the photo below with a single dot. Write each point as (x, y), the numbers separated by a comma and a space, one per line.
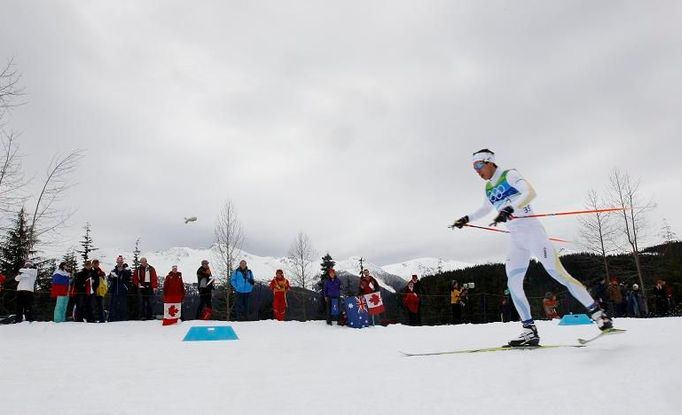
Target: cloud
(353, 122)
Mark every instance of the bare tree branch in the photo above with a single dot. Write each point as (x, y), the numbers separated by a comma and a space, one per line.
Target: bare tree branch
(11, 174)
(46, 216)
(625, 194)
(10, 90)
(301, 255)
(229, 238)
(667, 233)
(598, 231)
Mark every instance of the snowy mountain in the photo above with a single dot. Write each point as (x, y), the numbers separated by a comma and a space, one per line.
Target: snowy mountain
(386, 279)
(423, 266)
(391, 277)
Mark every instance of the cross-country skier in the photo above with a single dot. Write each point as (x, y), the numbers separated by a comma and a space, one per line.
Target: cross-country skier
(510, 195)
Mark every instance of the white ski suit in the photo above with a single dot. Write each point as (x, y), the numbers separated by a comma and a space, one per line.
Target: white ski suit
(528, 239)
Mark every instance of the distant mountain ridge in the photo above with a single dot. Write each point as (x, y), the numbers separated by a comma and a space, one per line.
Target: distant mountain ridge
(188, 261)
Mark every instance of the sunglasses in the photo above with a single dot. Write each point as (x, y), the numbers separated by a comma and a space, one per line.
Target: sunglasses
(479, 165)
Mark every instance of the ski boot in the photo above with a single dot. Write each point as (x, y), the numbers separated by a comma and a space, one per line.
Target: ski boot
(600, 317)
(529, 337)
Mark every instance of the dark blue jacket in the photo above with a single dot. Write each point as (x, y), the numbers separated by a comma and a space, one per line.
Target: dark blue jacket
(332, 288)
(119, 281)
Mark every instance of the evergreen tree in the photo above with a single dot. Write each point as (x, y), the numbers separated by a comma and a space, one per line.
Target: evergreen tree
(134, 299)
(327, 263)
(136, 254)
(71, 260)
(14, 249)
(87, 244)
(46, 267)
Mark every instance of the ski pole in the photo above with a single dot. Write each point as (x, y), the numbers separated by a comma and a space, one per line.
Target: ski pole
(503, 231)
(574, 212)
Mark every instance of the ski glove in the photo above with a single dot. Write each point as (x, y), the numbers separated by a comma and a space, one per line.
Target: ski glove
(459, 223)
(504, 215)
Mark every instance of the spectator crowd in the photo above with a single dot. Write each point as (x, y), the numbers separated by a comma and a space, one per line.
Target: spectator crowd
(80, 295)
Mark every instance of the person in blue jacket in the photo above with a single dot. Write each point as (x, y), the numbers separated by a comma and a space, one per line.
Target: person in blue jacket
(332, 291)
(242, 282)
(635, 302)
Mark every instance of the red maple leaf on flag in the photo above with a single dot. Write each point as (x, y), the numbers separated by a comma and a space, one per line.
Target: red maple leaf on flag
(172, 310)
(374, 299)
(375, 304)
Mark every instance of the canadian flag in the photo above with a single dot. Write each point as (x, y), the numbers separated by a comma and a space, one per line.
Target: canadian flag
(374, 303)
(171, 313)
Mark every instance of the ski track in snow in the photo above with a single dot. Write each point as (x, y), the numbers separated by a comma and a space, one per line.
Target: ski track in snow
(310, 368)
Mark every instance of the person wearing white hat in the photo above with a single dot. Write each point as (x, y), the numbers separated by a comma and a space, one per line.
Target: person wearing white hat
(27, 281)
(635, 302)
(509, 194)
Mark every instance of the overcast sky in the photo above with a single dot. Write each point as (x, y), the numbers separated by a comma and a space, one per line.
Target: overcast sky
(352, 121)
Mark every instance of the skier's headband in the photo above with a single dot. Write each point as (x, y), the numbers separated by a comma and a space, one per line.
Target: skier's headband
(484, 156)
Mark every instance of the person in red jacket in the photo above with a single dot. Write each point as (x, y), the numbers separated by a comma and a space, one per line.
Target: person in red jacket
(411, 303)
(368, 284)
(146, 280)
(173, 294)
(279, 286)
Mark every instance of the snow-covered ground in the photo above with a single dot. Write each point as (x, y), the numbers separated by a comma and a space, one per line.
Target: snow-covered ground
(310, 368)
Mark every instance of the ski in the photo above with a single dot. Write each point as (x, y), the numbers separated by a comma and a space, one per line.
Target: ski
(494, 349)
(606, 332)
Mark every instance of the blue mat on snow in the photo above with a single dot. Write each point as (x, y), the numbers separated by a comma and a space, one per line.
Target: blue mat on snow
(575, 319)
(210, 333)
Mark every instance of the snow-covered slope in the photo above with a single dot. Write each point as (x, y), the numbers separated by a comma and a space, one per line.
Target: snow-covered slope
(387, 280)
(141, 367)
(263, 267)
(423, 266)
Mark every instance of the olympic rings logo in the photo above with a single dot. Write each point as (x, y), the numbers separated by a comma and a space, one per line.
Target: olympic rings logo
(498, 193)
